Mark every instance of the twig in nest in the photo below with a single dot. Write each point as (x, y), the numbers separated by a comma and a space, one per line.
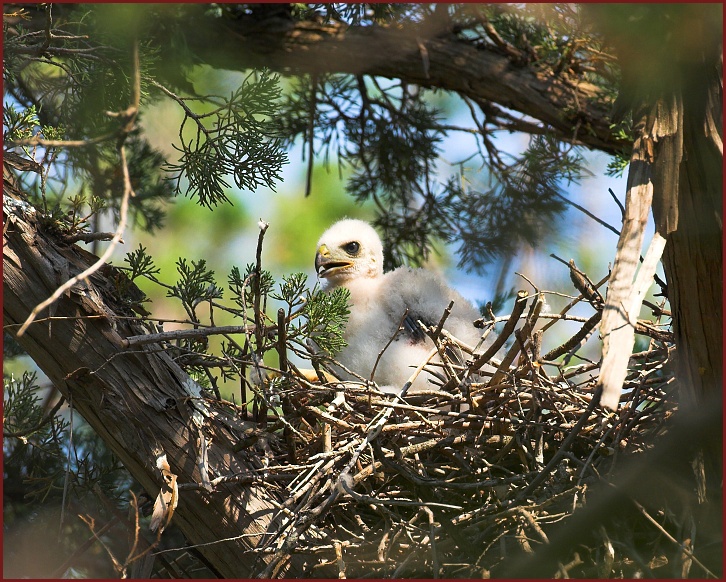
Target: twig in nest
(390, 341)
(152, 338)
(564, 447)
(576, 339)
(526, 330)
(519, 305)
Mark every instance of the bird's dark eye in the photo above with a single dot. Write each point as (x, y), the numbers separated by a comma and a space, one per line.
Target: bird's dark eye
(352, 248)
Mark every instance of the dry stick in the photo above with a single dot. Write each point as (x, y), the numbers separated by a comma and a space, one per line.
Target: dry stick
(443, 319)
(390, 341)
(339, 559)
(130, 114)
(620, 204)
(575, 340)
(526, 329)
(432, 537)
(565, 445)
(369, 500)
(585, 286)
(256, 283)
(152, 338)
(83, 548)
(573, 302)
(424, 410)
(259, 409)
(282, 340)
(588, 213)
(519, 305)
(329, 419)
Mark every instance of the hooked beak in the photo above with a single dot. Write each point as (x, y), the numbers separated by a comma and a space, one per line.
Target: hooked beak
(326, 264)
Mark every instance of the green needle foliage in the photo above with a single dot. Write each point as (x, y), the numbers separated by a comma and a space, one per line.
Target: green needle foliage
(234, 139)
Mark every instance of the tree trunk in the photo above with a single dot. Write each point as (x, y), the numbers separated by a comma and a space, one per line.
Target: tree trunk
(693, 262)
(137, 400)
(672, 64)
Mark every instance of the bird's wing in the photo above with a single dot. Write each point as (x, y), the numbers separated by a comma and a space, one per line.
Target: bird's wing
(413, 329)
(424, 296)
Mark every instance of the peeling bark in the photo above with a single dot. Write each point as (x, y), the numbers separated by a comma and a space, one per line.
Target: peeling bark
(137, 400)
(675, 72)
(693, 265)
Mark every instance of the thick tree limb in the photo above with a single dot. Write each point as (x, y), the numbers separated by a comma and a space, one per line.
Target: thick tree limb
(617, 325)
(428, 53)
(453, 64)
(679, 78)
(138, 401)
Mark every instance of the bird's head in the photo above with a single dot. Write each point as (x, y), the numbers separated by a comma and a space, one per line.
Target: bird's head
(348, 250)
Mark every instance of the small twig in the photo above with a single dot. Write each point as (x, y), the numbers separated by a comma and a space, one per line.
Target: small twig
(123, 211)
(563, 569)
(256, 284)
(620, 204)
(153, 338)
(89, 237)
(575, 340)
(588, 213)
(311, 134)
(585, 286)
(390, 341)
(282, 339)
(516, 54)
(574, 301)
(443, 319)
(519, 305)
(525, 331)
(369, 500)
(564, 446)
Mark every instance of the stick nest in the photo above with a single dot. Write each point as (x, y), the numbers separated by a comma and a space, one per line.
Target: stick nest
(457, 481)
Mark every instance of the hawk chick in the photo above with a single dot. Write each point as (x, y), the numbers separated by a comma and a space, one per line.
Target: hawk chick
(350, 254)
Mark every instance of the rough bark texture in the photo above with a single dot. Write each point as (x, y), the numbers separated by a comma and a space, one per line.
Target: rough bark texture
(138, 401)
(693, 257)
(693, 262)
(671, 60)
